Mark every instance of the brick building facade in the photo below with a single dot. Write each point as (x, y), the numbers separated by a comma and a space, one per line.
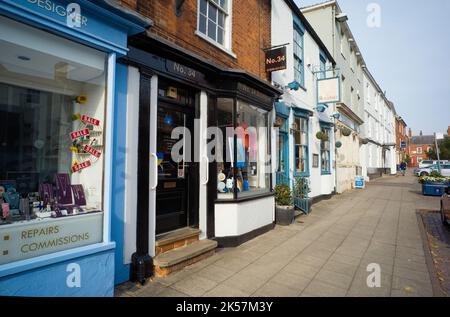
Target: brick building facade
(419, 147)
(401, 138)
(246, 50)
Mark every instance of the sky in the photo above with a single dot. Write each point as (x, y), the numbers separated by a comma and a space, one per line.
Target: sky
(409, 56)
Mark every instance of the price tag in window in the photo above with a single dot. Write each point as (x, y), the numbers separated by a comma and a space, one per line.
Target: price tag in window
(87, 119)
(92, 151)
(81, 166)
(79, 134)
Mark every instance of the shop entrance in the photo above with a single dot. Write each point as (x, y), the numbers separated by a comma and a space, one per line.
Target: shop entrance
(177, 191)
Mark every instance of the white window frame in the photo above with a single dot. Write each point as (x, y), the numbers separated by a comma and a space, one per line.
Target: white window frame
(227, 47)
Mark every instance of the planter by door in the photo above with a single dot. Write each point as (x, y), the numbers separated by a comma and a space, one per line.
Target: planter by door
(284, 215)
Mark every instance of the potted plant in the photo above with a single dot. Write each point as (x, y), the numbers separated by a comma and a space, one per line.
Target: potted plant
(346, 131)
(284, 209)
(322, 136)
(434, 185)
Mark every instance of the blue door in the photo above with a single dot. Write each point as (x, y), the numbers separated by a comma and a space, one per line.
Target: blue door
(283, 151)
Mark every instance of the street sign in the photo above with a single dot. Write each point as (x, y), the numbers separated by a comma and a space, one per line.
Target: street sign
(439, 136)
(403, 145)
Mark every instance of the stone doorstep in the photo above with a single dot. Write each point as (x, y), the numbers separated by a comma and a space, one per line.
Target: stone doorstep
(175, 260)
(176, 239)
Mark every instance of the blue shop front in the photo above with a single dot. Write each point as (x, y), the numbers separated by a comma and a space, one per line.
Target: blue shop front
(60, 94)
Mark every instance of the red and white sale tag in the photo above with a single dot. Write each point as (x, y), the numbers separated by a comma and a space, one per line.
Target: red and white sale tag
(81, 166)
(79, 134)
(87, 119)
(92, 151)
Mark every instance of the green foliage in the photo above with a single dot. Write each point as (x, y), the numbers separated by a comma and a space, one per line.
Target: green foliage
(434, 179)
(408, 159)
(301, 188)
(283, 195)
(435, 174)
(444, 148)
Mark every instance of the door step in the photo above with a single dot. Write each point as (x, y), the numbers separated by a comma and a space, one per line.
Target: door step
(175, 260)
(176, 239)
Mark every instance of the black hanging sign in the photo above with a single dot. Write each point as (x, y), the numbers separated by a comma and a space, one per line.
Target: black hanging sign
(276, 59)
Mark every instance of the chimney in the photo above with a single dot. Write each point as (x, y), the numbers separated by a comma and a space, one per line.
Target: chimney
(410, 133)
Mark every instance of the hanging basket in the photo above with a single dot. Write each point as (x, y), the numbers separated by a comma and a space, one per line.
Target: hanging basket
(346, 131)
(364, 141)
(338, 144)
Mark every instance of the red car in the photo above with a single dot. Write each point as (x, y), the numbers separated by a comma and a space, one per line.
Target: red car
(445, 207)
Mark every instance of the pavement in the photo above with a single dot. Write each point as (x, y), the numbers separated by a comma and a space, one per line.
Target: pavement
(333, 252)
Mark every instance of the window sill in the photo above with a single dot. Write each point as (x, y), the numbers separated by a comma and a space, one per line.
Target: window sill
(53, 258)
(244, 199)
(325, 173)
(220, 47)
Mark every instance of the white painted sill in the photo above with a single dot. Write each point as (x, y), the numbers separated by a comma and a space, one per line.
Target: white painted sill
(222, 48)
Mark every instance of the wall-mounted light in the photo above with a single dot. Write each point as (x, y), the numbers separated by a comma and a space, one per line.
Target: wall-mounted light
(336, 116)
(295, 85)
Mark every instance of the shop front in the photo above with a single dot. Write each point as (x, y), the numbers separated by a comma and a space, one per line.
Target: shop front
(207, 171)
(57, 91)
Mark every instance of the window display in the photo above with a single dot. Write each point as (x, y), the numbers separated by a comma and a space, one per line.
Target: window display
(251, 173)
(52, 105)
(325, 151)
(301, 145)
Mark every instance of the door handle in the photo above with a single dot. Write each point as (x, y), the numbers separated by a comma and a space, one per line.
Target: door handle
(207, 170)
(155, 177)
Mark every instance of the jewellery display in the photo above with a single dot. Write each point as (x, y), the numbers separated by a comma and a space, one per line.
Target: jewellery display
(46, 193)
(78, 194)
(63, 189)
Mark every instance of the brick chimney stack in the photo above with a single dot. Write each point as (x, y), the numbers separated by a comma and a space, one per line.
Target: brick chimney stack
(410, 133)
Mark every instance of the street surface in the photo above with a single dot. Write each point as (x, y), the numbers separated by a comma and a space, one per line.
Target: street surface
(328, 252)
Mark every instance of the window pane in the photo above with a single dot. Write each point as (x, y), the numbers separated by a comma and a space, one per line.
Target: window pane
(212, 13)
(224, 150)
(253, 170)
(212, 30)
(221, 20)
(202, 24)
(220, 35)
(203, 7)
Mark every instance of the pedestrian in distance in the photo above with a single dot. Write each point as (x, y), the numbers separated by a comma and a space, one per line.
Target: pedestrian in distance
(403, 168)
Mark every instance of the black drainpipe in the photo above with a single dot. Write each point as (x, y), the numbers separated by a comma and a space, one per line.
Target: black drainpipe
(142, 262)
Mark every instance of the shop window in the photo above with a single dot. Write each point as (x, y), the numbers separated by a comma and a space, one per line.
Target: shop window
(243, 168)
(325, 151)
(213, 18)
(52, 110)
(301, 145)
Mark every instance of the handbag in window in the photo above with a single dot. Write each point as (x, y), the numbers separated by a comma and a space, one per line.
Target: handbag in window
(12, 198)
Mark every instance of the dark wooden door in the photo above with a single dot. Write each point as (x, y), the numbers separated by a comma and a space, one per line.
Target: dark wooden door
(174, 195)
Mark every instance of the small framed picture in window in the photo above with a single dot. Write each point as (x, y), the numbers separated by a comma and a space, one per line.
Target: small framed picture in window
(315, 160)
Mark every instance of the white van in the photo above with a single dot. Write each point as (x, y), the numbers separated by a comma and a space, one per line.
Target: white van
(428, 163)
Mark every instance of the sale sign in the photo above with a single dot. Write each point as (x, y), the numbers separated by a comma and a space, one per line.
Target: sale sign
(92, 151)
(87, 119)
(81, 166)
(79, 134)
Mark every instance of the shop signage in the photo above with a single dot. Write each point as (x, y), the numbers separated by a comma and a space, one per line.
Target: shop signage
(72, 11)
(249, 91)
(184, 71)
(276, 59)
(89, 120)
(39, 237)
(92, 151)
(328, 90)
(360, 182)
(403, 145)
(79, 134)
(81, 166)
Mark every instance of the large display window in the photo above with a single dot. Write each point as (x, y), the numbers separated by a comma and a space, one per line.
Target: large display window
(245, 170)
(52, 115)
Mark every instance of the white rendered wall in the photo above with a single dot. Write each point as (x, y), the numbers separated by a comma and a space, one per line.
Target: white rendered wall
(238, 219)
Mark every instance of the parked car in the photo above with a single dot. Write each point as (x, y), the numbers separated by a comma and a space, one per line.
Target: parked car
(429, 163)
(445, 207)
(445, 170)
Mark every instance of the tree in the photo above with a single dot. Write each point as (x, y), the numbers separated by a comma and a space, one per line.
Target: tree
(444, 149)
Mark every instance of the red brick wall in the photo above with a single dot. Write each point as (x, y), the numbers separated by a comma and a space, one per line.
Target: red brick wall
(401, 136)
(413, 149)
(251, 31)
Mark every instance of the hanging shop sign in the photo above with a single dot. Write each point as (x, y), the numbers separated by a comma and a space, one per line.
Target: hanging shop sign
(276, 59)
(328, 90)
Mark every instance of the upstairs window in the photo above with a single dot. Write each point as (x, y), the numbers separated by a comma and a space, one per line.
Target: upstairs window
(299, 68)
(212, 20)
